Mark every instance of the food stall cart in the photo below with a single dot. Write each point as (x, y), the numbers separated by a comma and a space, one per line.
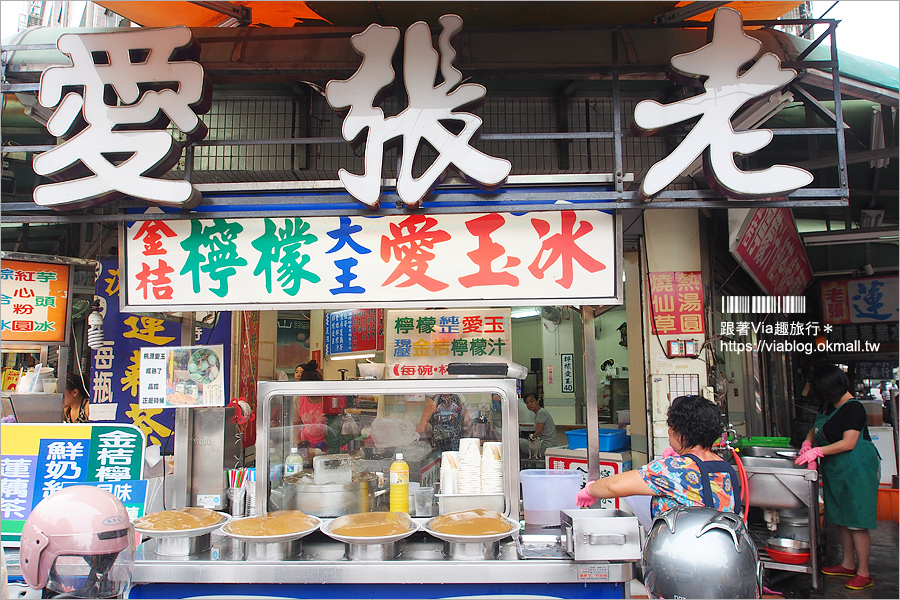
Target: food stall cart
(531, 561)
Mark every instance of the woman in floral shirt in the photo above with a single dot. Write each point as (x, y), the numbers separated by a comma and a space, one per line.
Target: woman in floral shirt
(688, 474)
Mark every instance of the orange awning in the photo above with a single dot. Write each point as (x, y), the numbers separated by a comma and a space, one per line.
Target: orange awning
(165, 14)
(487, 14)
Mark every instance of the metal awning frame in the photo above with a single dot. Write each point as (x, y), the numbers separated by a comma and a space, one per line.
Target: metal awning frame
(223, 196)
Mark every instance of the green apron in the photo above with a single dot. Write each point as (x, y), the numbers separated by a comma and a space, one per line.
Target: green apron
(850, 480)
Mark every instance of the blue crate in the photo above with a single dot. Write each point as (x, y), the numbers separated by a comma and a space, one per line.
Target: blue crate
(609, 439)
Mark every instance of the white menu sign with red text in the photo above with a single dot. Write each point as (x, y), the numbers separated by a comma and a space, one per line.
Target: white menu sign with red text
(421, 343)
(501, 259)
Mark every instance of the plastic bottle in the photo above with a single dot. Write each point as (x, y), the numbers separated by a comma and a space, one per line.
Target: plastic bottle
(399, 485)
(293, 464)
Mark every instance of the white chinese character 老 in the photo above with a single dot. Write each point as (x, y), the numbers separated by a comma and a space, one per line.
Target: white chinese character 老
(725, 91)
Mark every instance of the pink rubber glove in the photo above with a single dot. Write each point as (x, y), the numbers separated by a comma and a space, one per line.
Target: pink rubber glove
(583, 498)
(808, 457)
(669, 453)
(807, 445)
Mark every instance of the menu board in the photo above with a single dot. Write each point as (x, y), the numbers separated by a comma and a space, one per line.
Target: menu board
(38, 459)
(421, 343)
(182, 376)
(34, 302)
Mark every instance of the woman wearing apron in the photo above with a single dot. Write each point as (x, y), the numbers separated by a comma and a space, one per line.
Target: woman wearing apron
(690, 474)
(850, 471)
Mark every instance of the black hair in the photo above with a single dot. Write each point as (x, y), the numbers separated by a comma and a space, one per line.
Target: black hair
(696, 420)
(73, 382)
(829, 383)
(310, 371)
(536, 397)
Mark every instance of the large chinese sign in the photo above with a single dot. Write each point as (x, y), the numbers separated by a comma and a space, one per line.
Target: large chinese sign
(554, 257)
(430, 107)
(357, 330)
(866, 300)
(111, 109)
(676, 302)
(36, 460)
(717, 67)
(34, 302)
(116, 365)
(770, 250)
(421, 343)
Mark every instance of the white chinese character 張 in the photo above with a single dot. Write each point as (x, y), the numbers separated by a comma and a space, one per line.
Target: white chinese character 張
(428, 105)
(130, 89)
(726, 90)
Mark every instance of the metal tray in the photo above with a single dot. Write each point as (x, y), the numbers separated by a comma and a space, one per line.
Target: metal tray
(178, 533)
(473, 539)
(272, 539)
(333, 523)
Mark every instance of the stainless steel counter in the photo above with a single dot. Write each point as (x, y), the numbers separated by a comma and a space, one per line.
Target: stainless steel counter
(421, 561)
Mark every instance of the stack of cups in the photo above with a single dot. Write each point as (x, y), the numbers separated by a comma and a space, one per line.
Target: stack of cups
(491, 468)
(469, 466)
(450, 472)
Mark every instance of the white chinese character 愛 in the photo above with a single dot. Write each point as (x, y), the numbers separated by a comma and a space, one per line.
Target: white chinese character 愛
(725, 91)
(123, 143)
(428, 106)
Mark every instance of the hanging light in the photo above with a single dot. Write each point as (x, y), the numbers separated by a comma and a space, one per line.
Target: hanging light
(95, 327)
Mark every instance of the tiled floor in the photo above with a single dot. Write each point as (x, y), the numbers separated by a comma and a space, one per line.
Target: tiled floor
(883, 565)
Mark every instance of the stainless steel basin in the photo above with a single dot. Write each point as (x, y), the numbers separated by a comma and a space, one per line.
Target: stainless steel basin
(775, 481)
(770, 452)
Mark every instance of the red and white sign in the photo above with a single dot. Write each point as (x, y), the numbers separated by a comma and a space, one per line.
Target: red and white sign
(676, 302)
(770, 250)
(501, 259)
(866, 300)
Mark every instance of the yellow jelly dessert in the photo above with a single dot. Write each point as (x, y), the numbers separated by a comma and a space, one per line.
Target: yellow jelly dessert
(178, 519)
(373, 524)
(477, 521)
(279, 522)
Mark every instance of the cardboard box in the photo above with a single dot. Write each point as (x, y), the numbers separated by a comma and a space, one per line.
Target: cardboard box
(611, 463)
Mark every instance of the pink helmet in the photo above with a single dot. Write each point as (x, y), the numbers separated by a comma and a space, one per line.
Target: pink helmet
(78, 541)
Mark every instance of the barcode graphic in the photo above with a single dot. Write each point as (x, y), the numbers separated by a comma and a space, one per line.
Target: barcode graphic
(763, 304)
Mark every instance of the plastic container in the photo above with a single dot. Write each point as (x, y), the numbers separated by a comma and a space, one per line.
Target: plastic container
(293, 464)
(608, 439)
(371, 370)
(766, 442)
(399, 485)
(887, 503)
(545, 492)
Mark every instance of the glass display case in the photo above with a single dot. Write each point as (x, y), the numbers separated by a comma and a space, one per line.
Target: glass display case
(327, 446)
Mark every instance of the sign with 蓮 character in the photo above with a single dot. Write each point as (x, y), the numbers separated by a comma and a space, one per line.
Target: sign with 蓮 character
(34, 302)
(38, 459)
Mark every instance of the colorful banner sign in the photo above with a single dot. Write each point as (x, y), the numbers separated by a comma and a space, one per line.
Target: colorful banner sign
(354, 331)
(36, 460)
(421, 343)
(188, 376)
(865, 300)
(676, 302)
(34, 302)
(770, 250)
(115, 373)
(564, 257)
